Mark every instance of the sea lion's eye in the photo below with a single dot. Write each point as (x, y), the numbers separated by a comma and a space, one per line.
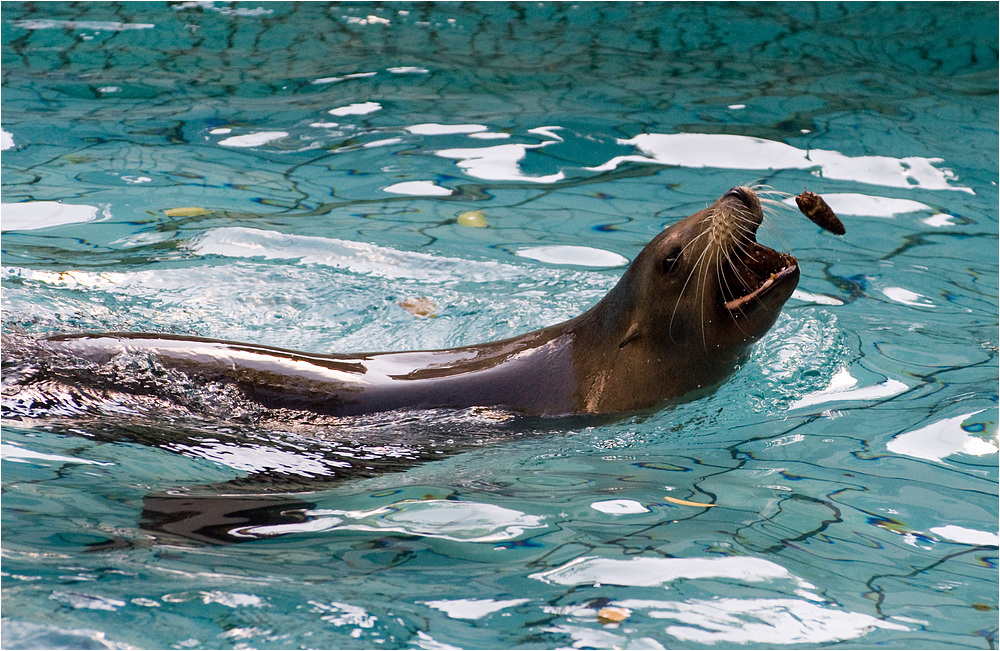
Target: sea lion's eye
(670, 259)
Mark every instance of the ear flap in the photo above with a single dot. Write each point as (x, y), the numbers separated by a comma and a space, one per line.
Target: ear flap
(632, 334)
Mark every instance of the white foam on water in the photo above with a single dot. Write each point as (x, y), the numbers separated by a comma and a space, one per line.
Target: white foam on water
(619, 507)
(210, 5)
(258, 458)
(96, 25)
(490, 135)
(906, 297)
(253, 139)
(940, 439)
(840, 389)
(16, 454)
(473, 608)
(472, 522)
(434, 129)
(939, 220)
(584, 256)
(358, 257)
(80, 601)
(408, 70)
(232, 599)
(759, 621)
(498, 163)
(967, 536)
(361, 108)
(819, 299)
(418, 188)
(33, 215)
(655, 571)
(723, 151)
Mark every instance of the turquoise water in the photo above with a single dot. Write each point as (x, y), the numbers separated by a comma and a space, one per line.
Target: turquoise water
(289, 174)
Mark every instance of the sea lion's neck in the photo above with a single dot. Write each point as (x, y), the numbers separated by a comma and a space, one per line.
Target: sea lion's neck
(612, 320)
(627, 360)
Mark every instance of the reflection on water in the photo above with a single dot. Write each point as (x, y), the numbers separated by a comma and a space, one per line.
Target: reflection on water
(744, 153)
(459, 521)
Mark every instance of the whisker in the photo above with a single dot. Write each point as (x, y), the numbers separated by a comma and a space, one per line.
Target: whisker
(723, 283)
(703, 294)
(687, 281)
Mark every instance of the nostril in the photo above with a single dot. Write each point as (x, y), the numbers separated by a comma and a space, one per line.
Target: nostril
(740, 193)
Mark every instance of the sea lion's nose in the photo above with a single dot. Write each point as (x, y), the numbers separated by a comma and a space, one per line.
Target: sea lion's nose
(743, 194)
(748, 209)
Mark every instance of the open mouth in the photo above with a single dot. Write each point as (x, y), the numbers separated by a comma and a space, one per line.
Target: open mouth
(754, 274)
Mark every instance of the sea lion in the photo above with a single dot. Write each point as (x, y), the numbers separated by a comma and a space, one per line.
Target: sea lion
(680, 320)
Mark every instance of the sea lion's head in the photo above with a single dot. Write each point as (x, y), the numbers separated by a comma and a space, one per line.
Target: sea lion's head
(713, 284)
(718, 287)
(691, 304)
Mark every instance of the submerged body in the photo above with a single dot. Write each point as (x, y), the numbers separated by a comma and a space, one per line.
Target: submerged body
(681, 319)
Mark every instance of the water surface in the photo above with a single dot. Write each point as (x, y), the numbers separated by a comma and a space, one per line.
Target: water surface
(290, 174)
